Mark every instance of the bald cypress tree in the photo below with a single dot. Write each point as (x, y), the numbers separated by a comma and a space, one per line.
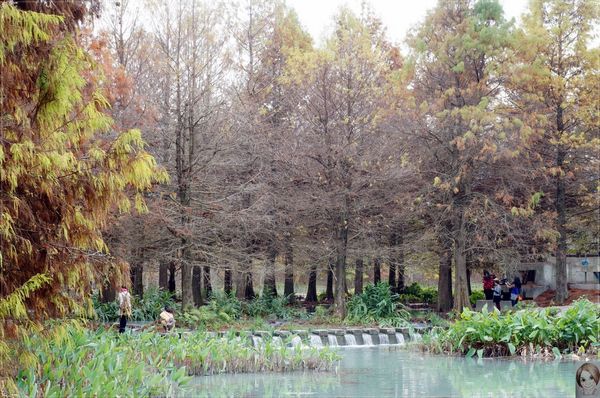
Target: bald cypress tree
(61, 176)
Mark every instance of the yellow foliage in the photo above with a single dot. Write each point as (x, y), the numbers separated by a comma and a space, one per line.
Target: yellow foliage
(58, 182)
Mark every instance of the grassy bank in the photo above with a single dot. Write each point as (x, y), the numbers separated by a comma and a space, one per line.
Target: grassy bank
(527, 331)
(72, 360)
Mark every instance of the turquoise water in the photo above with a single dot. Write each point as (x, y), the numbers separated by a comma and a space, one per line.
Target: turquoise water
(392, 372)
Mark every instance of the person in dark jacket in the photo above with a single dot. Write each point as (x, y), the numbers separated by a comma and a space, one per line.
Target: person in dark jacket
(488, 285)
(515, 291)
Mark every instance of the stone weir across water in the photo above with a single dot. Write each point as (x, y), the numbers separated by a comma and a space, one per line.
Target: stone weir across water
(339, 337)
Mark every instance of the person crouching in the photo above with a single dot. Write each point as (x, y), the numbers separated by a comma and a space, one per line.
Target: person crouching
(167, 319)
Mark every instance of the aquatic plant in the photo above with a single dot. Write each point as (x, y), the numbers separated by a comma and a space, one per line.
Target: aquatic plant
(71, 360)
(529, 329)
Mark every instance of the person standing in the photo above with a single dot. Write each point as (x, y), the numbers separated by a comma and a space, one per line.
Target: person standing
(515, 291)
(124, 308)
(497, 295)
(488, 285)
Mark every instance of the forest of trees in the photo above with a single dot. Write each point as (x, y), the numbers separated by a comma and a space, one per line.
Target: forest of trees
(266, 155)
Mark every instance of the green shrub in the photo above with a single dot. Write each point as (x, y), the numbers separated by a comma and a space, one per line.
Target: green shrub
(429, 295)
(268, 306)
(476, 295)
(220, 311)
(105, 312)
(376, 305)
(414, 289)
(226, 303)
(149, 307)
(409, 298)
(415, 293)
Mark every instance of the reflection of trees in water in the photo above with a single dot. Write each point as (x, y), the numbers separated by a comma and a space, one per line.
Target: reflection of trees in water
(510, 378)
(266, 385)
(403, 374)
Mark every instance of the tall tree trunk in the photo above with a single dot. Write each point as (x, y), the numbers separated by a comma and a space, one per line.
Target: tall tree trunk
(445, 278)
(187, 298)
(329, 289)
(339, 303)
(562, 291)
(376, 270)
(197, 285)
(108, 293)
(358, 276)
(137, 280)
(163, 276)
(469, 280)
(393, 242)
(249, 286)
(227, 281)
(461, 294)
(288, 288)
(207, 282)
(172, 270)
(270, 283)
(311, 292)
(240, 285)
(400, 263)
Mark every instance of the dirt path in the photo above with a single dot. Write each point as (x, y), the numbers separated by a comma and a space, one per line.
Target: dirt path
(546, 299)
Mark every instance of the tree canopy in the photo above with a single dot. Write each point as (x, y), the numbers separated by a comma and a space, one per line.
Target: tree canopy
(60, 177)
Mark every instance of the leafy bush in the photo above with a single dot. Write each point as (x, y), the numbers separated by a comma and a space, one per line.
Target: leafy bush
(376, 305)
(409, 298)
(414, 289)
(429, 295)
(149, 307)
(495, 333)
(476, 295)
(226, 303)
(415, 293)
(220, 311)
(105, 312)
(269, 306)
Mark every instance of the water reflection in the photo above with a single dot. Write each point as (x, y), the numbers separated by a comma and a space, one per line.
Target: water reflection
(388, 372)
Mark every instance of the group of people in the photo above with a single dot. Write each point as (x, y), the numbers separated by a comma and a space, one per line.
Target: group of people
(493, 289)
(166, 319)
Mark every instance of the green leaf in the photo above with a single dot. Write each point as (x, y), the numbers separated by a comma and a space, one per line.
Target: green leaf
(556, 352)
(480, 353)
(511, 348)
(471, 352)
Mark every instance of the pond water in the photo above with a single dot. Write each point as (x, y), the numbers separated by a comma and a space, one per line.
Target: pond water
(393, 372)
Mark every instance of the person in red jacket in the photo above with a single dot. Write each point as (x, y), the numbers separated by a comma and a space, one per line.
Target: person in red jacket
(488, 285)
